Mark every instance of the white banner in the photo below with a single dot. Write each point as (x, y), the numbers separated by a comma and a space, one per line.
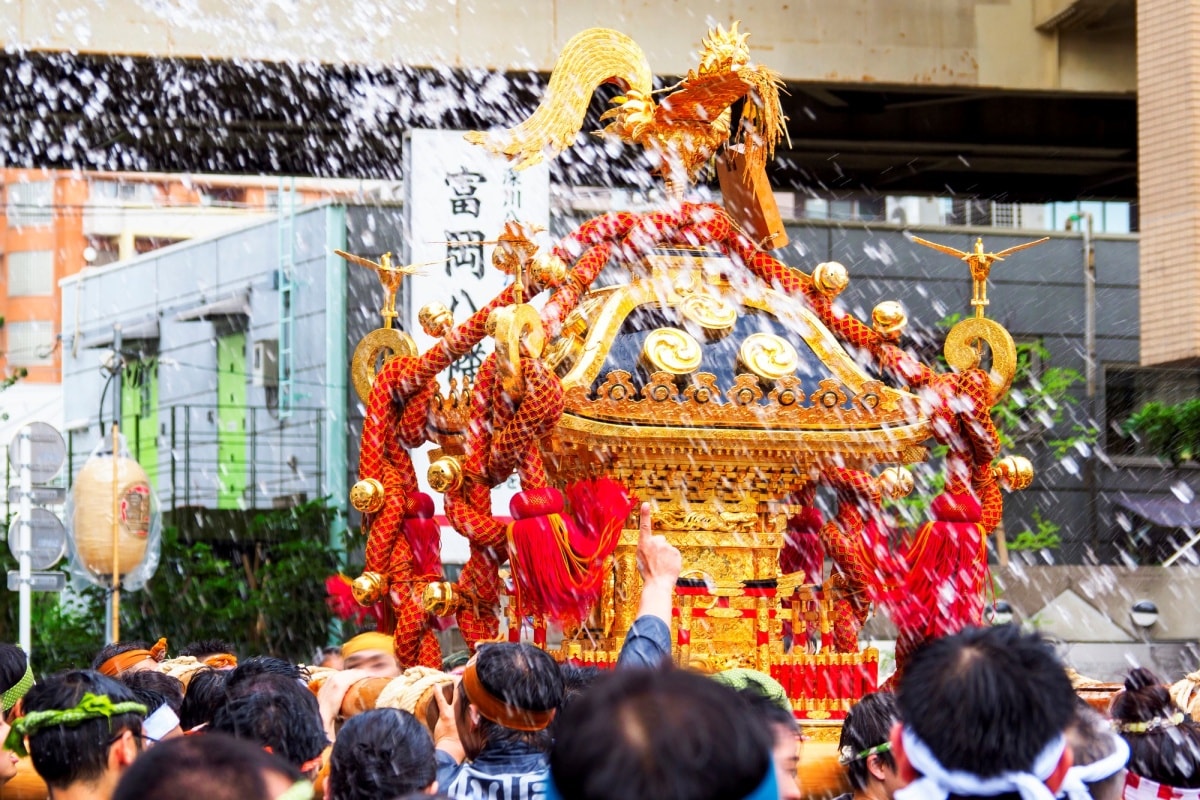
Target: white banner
(459, 193)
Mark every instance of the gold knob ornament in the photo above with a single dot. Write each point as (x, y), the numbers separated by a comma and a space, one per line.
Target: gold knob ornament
(445, 474)
(888, 319)
(830, 278)
(896, 482)
(435, 319)
(368, 588)
(367, 495)
(439, 599)
(1014, 472)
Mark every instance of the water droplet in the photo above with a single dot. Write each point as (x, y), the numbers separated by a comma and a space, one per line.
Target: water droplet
(1182, 491)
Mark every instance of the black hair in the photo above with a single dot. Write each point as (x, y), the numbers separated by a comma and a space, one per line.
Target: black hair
(422, 796)
(576, 680)
(381, 753)
(1166, 754)
(257, 666)
(523, 676)
(1091, 739)
(206, 647)
(768, 709)
(867, 725)
(115, 649)
(205, 694)
(213, 767)
(67, 754)
(13, 663)
(1007, 685)
(276, 712)
(653, 734)
(154, 689)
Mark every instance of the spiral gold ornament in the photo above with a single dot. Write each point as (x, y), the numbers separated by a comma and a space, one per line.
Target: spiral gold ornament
(963, 353)
(367, 495)
(672, 350)
(1014, 472)
(381, 342)
(830, 278)
(711, 313)
(768, 356)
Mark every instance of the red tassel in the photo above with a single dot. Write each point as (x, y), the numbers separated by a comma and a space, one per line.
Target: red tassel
(341, 602)
(946, 571)
(556, 560)
(802, 548)
(424, 537)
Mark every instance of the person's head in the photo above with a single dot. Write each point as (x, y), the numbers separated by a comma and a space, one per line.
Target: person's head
(509, 693)
(82, 729)
(644, 735)
(205, 694)
(384, 752)
(785, 736)
(371, 652)
(162, 696)
(1164, 746)
(576, 680)
(1006, 684)
(864, 748)
(16, 678)
(255, 667)
(216, 653)
(1099, 757)
(212, 767)
(330, 658)
(157, 686)
(119, 657)
(277, 712)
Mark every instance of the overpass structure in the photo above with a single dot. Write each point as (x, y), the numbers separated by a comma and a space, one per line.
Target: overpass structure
(1021, 100)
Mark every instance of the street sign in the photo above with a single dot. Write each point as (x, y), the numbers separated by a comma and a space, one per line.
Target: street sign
(38, 581)
(47, 451)
(39, 495)
(47, 538)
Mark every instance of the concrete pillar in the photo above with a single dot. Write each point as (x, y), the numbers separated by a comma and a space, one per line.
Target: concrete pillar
(1168, 54)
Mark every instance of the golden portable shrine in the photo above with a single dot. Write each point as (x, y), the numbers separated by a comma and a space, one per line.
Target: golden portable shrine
(698, 373)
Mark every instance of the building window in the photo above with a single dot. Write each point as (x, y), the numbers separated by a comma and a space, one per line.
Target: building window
(30, 344)
(1127, 389)
(31, 273)
(120, 192)
(30, 203)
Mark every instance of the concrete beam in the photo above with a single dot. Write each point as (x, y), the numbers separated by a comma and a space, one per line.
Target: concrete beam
(965, 43)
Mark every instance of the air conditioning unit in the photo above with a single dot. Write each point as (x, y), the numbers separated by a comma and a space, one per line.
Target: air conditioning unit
(264, 364)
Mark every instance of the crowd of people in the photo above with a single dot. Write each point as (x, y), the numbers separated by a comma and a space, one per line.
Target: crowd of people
(988, 713)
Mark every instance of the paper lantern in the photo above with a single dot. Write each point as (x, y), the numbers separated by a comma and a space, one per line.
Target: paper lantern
(93, 514)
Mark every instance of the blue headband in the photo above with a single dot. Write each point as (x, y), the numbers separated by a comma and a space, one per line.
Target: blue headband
(767, 790)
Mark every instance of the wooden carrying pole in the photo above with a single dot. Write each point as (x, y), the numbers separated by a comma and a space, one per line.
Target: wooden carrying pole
(116, 540)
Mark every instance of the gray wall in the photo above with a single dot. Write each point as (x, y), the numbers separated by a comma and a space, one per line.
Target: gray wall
(1036, 294)
(285, 454)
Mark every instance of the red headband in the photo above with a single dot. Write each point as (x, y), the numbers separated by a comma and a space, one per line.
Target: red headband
(498, 711)
(123, 661)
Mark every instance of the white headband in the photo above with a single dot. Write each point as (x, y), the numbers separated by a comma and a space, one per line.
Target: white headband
(938, 783)
(160, 723)
(1074, 783)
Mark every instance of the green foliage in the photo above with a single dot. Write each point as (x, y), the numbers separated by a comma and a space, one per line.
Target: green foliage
(1171, 432)
(266, 595)
(66, 629)
(1043, 535)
